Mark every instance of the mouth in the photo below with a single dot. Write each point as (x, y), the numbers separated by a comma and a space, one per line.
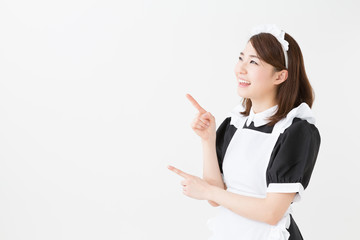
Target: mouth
(244, 83)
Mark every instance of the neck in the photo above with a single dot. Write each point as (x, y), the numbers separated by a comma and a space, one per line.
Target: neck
(260, 106)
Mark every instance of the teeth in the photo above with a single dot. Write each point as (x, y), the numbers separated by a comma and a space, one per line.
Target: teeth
(243, 81)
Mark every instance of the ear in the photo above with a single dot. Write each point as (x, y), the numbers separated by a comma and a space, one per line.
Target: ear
(280, 77)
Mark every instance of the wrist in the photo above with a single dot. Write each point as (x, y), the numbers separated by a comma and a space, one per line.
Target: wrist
(210, 140)
(212, 191)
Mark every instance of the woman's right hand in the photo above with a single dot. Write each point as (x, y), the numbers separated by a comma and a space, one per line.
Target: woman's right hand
(204, 123)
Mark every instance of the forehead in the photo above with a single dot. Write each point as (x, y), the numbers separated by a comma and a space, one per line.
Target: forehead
(249, 49)
(250, 52)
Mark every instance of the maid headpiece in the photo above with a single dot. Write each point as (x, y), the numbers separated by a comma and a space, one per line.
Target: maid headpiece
(276, 32)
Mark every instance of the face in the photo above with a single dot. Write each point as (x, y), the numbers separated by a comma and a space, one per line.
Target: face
(256, 79)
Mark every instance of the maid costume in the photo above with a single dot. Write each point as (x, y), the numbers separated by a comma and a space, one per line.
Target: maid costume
(256, 158)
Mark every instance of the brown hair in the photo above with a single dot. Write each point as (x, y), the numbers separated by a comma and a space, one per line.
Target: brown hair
(296, 88)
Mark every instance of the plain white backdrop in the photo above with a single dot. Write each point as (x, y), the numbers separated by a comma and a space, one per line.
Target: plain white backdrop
(93, 109)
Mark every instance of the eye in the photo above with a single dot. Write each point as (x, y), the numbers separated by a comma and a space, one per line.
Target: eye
(240, 58)
(254, 62)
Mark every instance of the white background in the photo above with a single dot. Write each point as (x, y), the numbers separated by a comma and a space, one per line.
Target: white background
(93, 109)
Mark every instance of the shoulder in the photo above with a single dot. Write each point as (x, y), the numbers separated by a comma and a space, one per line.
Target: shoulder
(298, 144)
(226, 121)
(224, 124)
(291, 122)
(300, 129)
(234, 116)
(226, 129)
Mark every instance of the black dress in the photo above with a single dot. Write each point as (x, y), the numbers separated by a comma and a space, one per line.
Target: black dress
(256, 158)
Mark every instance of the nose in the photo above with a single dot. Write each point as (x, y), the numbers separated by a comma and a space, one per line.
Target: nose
(240, 68)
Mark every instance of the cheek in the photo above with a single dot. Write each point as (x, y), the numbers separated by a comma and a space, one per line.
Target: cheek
(259, 77)
(261, 80)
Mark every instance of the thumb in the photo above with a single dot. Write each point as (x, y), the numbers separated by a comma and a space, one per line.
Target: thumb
(205, 115)
(208, 114)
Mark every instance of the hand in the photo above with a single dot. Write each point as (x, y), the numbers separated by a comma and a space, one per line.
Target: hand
(193, 186)
(204, 123)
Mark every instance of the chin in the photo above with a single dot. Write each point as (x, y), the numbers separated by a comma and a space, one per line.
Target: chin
(242, 94)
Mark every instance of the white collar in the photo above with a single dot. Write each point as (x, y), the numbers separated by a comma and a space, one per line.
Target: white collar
(260, 118)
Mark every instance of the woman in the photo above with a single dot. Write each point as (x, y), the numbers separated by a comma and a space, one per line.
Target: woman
(260, 159)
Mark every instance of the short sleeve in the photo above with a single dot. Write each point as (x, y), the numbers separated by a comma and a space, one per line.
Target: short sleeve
(224, 133)
(293, 159)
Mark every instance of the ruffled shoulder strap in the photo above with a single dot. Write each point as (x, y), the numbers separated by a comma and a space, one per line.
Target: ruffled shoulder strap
(237, 119)
(303, 111)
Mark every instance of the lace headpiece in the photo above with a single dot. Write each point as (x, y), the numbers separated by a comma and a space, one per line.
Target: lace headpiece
(276, 32)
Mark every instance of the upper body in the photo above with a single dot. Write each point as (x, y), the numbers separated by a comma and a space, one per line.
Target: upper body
(254, 174)
(256, 160)
(265, 158)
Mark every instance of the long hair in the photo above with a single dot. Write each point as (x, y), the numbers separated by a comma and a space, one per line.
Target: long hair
(296, 88)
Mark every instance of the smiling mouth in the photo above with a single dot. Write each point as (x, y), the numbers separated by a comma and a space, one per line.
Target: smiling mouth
(244, 82)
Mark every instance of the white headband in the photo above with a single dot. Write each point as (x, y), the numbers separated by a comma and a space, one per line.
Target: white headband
(276, 32)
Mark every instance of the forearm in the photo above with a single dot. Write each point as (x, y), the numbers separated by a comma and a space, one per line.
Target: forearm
(269, 210)
(211, 170)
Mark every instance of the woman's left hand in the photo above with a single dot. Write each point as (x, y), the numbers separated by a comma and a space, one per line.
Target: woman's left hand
(193, 186)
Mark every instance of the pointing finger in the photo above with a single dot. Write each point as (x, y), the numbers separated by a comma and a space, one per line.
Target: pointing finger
(178, 171)
(195, 103)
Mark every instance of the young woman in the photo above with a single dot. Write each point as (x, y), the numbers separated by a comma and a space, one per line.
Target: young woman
(261, 157)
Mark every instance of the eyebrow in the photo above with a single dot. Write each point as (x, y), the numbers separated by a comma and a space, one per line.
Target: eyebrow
(250, 55)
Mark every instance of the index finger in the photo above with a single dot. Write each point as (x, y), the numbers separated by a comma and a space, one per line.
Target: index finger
(178, 171)
(195, 103)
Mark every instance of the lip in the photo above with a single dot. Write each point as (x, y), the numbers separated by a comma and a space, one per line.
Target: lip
(242, 85)
(244, 79)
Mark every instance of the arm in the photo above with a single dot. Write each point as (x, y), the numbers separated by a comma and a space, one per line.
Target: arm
(269, 210)
(204, 126)
(211, 171)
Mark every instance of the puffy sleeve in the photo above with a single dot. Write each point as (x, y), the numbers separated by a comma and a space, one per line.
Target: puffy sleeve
(224, 134)
(293, 159)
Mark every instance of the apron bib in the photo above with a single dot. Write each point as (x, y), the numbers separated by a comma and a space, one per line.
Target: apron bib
(244, 170)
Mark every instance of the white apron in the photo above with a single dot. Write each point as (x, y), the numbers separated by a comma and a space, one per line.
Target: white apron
(244, 171)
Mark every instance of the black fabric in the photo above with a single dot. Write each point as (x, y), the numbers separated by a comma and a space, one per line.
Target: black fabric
(264, 128)
(224, 134)
(292, 160)
(294, 155)
(294, 230)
